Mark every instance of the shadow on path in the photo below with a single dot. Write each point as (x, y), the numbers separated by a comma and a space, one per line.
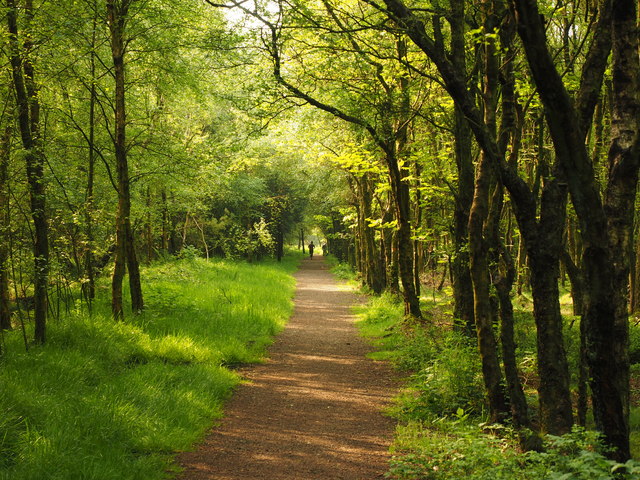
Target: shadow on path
(313, 410)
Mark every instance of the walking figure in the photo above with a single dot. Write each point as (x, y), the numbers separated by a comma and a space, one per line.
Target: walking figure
(324, 249)
(311, 247)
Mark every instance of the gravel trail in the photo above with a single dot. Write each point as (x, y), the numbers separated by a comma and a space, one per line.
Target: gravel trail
(313, 410)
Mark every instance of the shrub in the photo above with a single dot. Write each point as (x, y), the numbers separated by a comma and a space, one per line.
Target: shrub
(448, 380)
(454, 449)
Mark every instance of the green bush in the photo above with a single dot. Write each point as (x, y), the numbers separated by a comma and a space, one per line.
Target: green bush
(438, 437)
(341, 270)
(454, 450)
(448, 380)
(444, 366)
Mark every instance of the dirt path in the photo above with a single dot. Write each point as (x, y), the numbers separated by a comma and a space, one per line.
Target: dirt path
(313, 410)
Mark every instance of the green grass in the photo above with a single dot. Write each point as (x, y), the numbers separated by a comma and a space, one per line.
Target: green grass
(455, 448)
(341, 270)
(104, 400)
(441, 432)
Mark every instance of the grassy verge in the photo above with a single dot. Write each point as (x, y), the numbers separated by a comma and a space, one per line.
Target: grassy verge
(441, 432)
(341, 270)
(104, 400)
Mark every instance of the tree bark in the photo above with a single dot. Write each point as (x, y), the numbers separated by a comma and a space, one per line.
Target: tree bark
(544, 247)
(28, 107)
(370, 265)
(5, 151)
(504, 284)
(479, 268)
(149, 227)
(462, 286)
(521, 195)
(483, 238)
(401, 198)
(389, 239)
(605, 323)
(125, 254)
(619, 204)
(90, 288)
(402, 149)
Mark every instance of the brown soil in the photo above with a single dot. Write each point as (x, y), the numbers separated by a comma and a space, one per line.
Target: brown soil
(314, 409)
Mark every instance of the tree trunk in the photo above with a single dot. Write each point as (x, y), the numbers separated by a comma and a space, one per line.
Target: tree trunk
(28, 107)
(417, 244)
(125, 254)
(484, 236)
(403, 122)
(370, 266)
(612, 402)
(479, 267)
(389, 238)
(544, 247)
(603, 226)
(149, 227)
(165, 222)
(583, 379)
(5, 151)
(504, 284)
(89, 287)
(401, 198)
(462, 286)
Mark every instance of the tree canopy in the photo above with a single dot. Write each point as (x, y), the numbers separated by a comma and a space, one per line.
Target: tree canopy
(490, 145)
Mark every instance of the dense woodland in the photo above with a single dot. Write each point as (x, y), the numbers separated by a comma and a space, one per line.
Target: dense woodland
(487, 145)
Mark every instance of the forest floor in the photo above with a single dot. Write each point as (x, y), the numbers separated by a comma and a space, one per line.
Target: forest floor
(314, 409)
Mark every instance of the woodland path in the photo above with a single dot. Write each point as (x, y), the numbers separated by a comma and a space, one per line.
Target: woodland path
(313, 411)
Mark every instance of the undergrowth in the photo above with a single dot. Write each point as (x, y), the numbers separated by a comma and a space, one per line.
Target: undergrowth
(441, 433)
(114, 400)
(340, 270)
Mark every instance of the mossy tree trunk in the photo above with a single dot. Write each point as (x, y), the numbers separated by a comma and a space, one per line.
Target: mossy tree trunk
(605, 225)
(462, 285)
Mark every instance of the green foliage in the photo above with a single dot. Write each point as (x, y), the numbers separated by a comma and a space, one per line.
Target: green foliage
(379, 319)
(441, 435)
(449, 379)
(455, 449)
(104, 400)
(189, 252)
(341, 270)
(444, 367)
(634, 343)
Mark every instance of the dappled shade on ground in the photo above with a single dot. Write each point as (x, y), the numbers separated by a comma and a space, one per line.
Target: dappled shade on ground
(314, 409)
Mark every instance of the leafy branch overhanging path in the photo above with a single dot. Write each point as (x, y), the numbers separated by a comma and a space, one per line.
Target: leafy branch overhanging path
(314, 409)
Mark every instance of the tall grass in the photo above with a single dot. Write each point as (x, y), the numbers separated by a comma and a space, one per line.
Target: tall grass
(104, 400)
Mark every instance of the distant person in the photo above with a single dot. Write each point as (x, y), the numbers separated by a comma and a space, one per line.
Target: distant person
(311, 247)
(324, 249)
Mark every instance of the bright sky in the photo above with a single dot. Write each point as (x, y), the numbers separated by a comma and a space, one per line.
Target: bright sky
(237, 17)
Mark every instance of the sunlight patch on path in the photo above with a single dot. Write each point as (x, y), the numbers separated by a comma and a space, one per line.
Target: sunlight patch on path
(313, 410)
